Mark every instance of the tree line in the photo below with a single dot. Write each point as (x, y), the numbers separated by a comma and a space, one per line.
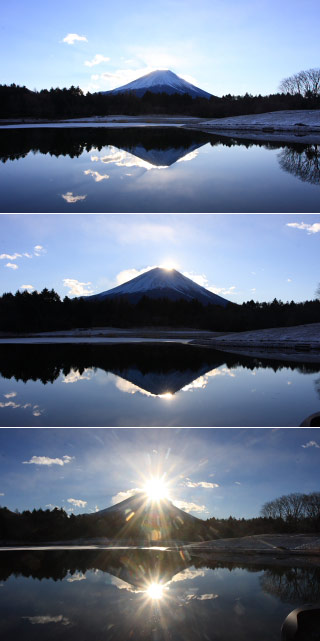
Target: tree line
(292, 513)
(45, 311)
(20, 102)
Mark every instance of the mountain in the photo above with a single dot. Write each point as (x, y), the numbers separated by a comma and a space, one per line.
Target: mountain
(162, 283)
(139, 518)
(161, 81)
(141, 504)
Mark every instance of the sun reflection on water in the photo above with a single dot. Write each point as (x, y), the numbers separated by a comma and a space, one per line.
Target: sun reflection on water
(155, 591)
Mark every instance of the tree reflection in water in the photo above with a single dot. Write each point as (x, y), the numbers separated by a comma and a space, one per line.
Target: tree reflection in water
(145, 594)
(303, 163)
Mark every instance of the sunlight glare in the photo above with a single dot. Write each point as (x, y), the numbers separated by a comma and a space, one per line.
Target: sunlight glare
(156, 489)
(155, 591)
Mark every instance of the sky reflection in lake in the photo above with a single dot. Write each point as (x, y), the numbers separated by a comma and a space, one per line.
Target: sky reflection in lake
(147, 595)
(129, 385)
(154, 170)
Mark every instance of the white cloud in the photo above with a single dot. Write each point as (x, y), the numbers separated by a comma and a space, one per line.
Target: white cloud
(75, 376)
(187, 575)
(77, 502)
(27, 255)
(98, 58)
(76, 288)
(311, 444)
(70, 198)
(10, 256)
(71, 38)
(27, 287)
(121, 496)
(95, 174)
(237, 483)
(44, 619)
(77, 576)
(1, 493)
(130, 388)
(190, 156)
(46, 460)
(310, 229)
(12, 265)
(39, 250)
(201, 484)
(129, 274)
(202, 597)
(201, 279)
(289, 280)
(190, 507)
(10, 394)
(10, 404)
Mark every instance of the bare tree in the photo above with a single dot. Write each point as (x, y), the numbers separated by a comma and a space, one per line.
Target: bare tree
(306, 83)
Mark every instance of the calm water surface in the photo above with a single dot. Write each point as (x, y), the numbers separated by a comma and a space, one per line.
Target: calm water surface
(146, 595)
(151, 385)
(153, 170)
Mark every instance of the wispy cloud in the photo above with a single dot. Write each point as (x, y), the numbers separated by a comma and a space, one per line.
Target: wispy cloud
(205, 484)
(44, 619)
(77, 502)
(27, 287)
(10, 395)
(46, 460)
(39, 250)
(10, 256)
(12, 265)
(76, 288)
(71, 38)
(95, 174)
(190, 507)
(310, 229)
(1, 493)
(97, 60)
(311, 444)
(70, 198)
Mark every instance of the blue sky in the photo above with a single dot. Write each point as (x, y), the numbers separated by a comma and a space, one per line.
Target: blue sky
(210, 472)
(223, 46)
(241, 257)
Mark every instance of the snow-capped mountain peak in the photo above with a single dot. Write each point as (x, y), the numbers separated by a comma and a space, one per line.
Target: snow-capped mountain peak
(161, 80)
(162, 283)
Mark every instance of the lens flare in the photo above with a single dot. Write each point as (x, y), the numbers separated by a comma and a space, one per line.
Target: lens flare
(155, 591)
(156, 489)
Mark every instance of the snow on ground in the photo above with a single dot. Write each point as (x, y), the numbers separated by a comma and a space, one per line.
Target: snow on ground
(295, 120)
(307, 336)
(101, 121)
(84, 340)
(266, 542)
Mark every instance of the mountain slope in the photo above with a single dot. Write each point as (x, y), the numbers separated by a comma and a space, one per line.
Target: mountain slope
(161, 81)
(162, 283)
(140, 502)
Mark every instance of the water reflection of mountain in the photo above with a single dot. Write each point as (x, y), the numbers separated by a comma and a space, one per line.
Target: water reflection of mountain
(154, 146)
(160, 147)
(156, 368)
(135, 566)
(139, 568)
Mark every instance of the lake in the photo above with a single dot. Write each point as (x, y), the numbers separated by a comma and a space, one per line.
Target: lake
(142, 595)
(153, 169)
(148, 385)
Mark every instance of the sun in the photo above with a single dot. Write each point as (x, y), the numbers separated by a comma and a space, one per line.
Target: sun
(156, 489)
(169, 265)
(155, 591)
